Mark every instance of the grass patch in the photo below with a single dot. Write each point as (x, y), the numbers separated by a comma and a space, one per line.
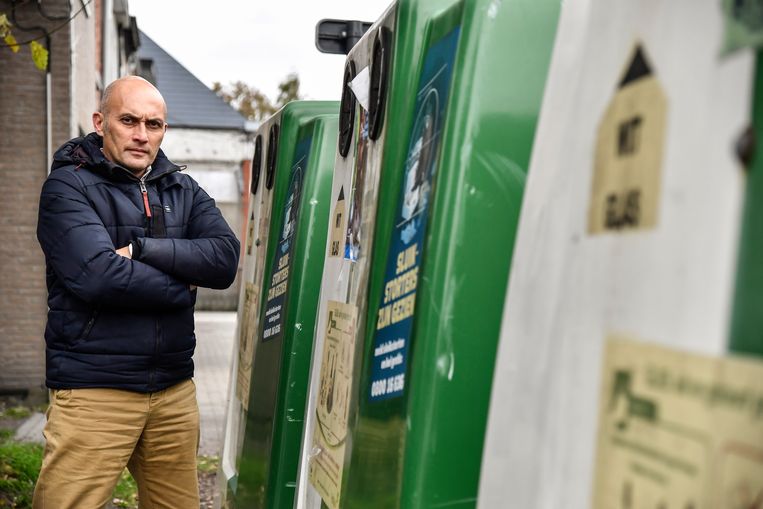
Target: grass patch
(207, 464)
(19, 467)
(125, 495)
(15, 412)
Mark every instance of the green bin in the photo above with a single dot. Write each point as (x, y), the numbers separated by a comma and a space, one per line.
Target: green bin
(443, 252)
(277, 314)
(366, 123)
(255, 242)
(374, 108)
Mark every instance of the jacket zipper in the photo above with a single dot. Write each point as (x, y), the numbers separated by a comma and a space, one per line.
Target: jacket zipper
(89, 326)
(144, 192)
(86, 330)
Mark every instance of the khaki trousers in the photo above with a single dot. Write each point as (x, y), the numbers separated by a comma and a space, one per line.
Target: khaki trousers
(92, 434)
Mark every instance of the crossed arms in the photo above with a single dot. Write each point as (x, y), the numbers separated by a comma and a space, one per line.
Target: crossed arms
(80, 251)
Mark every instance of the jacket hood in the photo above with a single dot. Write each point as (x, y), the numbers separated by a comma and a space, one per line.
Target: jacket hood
(85, 151)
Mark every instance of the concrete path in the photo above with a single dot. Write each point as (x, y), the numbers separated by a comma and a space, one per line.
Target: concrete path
(215, 333)
(31, 429)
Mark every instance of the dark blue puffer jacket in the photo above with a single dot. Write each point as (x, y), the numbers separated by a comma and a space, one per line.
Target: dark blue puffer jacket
(115, 322)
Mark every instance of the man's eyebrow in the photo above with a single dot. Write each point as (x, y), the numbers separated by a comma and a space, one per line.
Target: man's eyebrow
(137, 117)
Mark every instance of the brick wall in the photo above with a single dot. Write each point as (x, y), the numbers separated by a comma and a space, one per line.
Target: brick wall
(22, 172)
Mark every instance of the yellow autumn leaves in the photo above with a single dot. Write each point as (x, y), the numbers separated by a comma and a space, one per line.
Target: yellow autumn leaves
(39, 53)
(5, 33)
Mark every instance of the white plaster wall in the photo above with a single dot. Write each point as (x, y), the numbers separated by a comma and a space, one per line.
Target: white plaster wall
(84, 75)
(112, 51)
(207, 145)
(214, 160)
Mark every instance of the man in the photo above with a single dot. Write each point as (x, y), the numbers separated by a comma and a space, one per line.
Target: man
(127, 239)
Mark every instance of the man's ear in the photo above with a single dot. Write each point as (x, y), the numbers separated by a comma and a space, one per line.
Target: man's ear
(98, 121)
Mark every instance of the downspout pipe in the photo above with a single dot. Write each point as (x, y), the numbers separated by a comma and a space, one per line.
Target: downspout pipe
(49, 106)
(49, 87)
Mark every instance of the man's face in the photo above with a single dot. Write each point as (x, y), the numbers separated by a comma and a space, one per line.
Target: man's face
(132, 125)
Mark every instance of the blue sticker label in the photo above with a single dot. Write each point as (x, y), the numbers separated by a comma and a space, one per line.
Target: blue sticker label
(275, 309)
(394, 321)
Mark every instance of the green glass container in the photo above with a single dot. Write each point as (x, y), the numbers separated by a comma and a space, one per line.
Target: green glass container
(365, 124)
(255, 243)
(282, 327)
(449, 203)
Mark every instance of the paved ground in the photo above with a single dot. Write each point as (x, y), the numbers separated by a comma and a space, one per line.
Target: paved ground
(215, 334)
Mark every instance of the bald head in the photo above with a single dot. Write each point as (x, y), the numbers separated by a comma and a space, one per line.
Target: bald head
(130, 82)
(132, 121)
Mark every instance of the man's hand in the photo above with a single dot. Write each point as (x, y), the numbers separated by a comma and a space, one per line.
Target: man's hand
(124, 251)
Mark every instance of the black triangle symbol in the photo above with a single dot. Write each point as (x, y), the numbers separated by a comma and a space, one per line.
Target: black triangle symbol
(638, 68)
(341, 194)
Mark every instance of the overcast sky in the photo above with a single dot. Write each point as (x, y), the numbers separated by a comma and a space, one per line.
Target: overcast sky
(255, 41)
